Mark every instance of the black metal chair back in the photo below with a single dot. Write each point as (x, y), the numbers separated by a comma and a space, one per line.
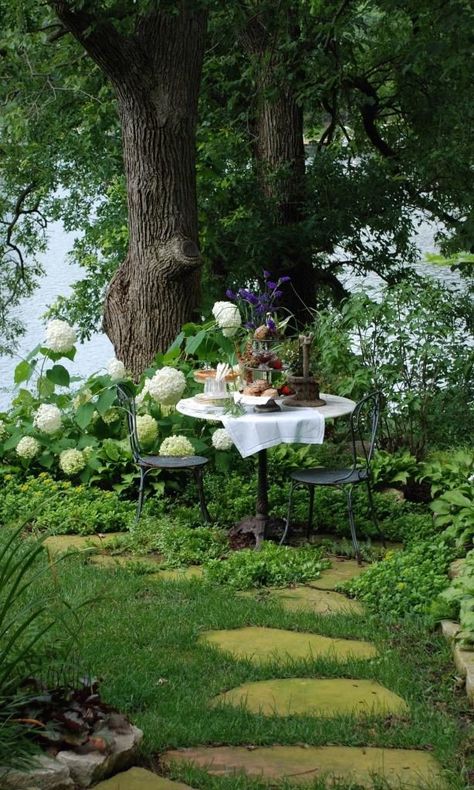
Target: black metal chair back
(126, 397)
(364, 423)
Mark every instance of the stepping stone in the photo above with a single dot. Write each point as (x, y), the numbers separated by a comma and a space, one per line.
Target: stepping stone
(303, 765)
(140, 779)
(63, 544)
(340, 571)
(314, 697)
(260, 644)
(310, 599)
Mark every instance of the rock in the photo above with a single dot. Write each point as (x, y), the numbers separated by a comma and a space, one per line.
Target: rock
(464, 660)
(314, 697)
(309, 599)
(45, 774)
(455, 569)
(140, 779)
(408, 768)
(394, 492)
(87, 769)
(259, 645)
(449, 628)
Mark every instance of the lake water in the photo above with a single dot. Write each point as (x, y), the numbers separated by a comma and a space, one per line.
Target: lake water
(93, 354)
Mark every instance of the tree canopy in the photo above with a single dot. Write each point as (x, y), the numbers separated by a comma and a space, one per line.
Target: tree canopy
(383, 89)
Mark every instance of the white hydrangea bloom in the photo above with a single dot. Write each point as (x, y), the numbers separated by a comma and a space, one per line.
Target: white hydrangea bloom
(84, 396)
(60, 336)
(176, 446)
(227, 317)
(111, 415)
(3, 429)
(116, 369)
(147, 429)
(167, 385)
(27, 447)
(470, 479)
(221, 439)
(72, 461)
(47, 419)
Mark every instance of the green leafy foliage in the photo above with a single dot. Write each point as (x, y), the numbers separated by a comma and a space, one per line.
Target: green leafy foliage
(454, 510)
(447, 470)
(272, 566)
(181, 545)
(393, 468)
(457, 601)
(58, 507)
(405, 582)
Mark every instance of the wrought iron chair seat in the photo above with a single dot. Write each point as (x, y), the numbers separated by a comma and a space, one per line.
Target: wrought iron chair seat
(172, 462)
(320, 476)
(150, 463)
(347, 477)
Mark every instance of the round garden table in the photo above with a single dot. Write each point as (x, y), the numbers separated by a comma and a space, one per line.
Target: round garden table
(254, 432)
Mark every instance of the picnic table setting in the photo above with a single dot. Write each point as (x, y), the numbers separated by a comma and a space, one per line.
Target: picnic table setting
(261, 401)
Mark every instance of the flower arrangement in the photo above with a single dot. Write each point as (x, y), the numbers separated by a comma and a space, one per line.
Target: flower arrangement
(72, 462)
(258, 307)
(167, 386)
(178, 446)
(147, 429)
(47, 418)
(60, 336)
(27, 447)
(116, 369)
(221, 440)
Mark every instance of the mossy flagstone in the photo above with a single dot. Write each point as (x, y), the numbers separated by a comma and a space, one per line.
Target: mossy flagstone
(119, 560)
(175, 574)
(62, 544)
(310, 599)
(140, 779)
(339, 572)
(302, 765)
(321, 697)
(260, 644)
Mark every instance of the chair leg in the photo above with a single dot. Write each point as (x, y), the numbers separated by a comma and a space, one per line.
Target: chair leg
(287, 525)
(309, 526)
(141, 494)
(373, 513)
(355, 542)
(202, 500)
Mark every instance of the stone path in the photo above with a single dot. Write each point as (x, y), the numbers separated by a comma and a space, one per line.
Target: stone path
(302, 765)
(313, 696)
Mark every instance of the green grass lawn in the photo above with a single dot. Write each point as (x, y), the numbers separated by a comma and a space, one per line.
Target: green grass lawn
(139, 635)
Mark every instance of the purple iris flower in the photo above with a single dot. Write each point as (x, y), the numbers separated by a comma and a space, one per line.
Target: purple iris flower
(284, 279)
(271, 324)
(249, 325)
(271, 284)
(266, 274)
(277, 294)
(230, 294)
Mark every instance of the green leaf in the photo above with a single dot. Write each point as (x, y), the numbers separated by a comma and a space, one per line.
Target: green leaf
(59, 375)
(106, 400)
(193, 343)
(45, 387)
(23, 371)
(84, 415)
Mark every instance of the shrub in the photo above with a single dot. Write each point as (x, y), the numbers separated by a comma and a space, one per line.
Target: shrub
(457, 601)
(273, 565)
(404, 583)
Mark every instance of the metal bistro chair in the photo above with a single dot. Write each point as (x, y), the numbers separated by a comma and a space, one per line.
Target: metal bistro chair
(149, 463)
(364, 423)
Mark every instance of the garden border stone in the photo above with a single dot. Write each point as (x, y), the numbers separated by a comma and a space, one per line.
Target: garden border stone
(463, 659)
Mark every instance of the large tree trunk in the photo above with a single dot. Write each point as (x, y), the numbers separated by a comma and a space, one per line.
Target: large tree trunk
(280, 155)
(156, 75)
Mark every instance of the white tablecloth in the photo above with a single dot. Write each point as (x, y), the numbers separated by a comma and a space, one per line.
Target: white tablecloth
(253, 432)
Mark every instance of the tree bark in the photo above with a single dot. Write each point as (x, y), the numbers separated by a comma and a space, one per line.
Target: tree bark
(280, 155)
(156, 76)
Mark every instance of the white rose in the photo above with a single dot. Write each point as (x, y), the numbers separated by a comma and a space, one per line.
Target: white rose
(221, 439)
(176, 446)
(47, 418)
(27, 447)
(72, 461)
(147, 429)
(60, 336)
(227, 317)
(167, 385)
(116, 369)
